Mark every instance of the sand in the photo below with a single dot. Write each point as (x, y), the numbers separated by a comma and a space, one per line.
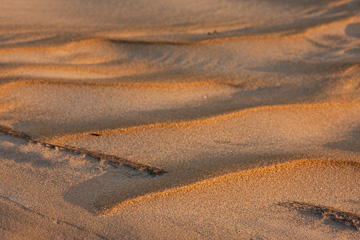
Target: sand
(180, 119)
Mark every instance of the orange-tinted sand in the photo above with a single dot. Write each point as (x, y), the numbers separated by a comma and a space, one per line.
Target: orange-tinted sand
(180, 119)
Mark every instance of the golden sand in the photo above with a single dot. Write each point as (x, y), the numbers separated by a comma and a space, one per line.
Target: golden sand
(179, 119)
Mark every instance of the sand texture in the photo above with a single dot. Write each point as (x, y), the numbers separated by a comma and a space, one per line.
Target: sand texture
(180, 119)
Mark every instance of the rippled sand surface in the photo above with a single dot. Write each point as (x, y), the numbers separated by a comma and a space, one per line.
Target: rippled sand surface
(180, 119)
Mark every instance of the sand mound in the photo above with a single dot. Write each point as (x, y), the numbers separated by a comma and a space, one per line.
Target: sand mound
(269, 202)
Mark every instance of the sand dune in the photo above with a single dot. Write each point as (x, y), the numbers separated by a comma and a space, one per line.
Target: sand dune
(268, 202)
(201, 149)
(157, 16)
(187, 120)
(242, 203)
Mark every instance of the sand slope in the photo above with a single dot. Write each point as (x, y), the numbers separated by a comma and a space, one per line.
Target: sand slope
(188, 120)
(278, 201)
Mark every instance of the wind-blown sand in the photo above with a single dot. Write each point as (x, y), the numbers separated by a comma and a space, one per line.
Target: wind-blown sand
(180, 120)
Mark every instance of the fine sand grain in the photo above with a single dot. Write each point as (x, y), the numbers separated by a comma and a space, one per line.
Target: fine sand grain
(180, 119)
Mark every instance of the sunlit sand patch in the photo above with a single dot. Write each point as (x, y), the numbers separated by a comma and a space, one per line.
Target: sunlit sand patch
(247, 203)
(24, 216)
(201, 149)
(305, 174)
(55, 72)
(104, 106)
(112, 160)
(90, 51)
(210, 104)
(289, 128)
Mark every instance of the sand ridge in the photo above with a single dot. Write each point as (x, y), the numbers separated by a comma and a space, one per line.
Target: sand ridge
(113, 160)
(222, 180)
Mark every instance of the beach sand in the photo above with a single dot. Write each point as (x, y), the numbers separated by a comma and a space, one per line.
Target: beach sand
(180, 119)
